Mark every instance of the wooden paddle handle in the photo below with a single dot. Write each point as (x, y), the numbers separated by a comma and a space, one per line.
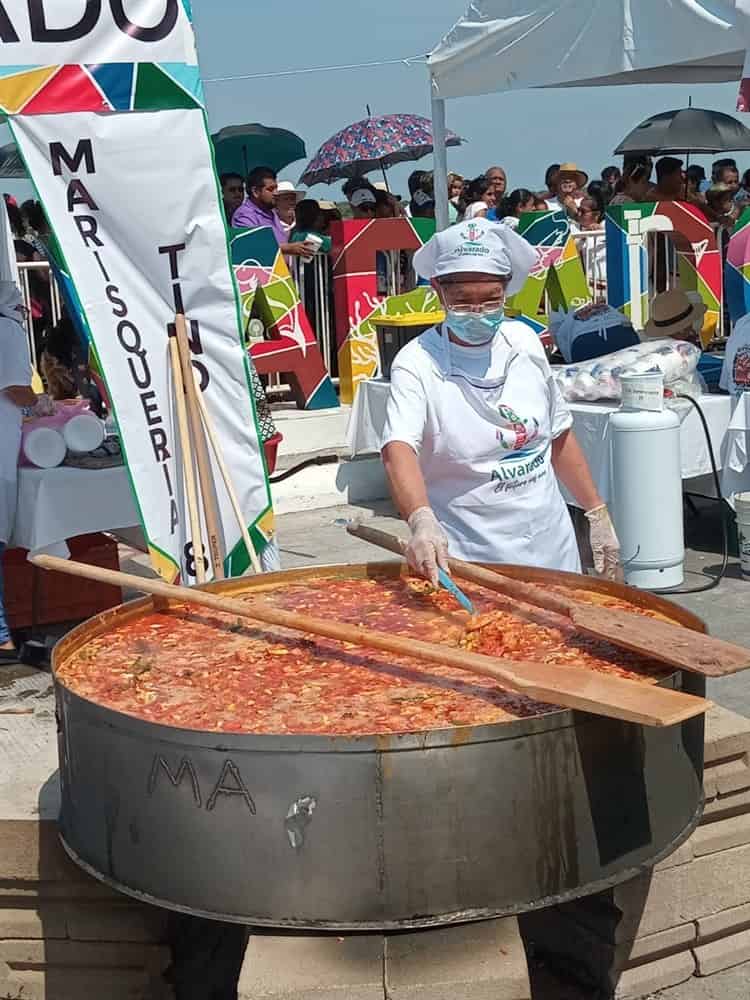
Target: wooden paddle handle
(526, 592)
(205, 476)
(188, 468)
(383, 539)
(213, 437)
(570, 687)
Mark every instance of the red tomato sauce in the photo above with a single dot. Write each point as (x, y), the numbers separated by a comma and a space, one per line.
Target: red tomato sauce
(191, 668)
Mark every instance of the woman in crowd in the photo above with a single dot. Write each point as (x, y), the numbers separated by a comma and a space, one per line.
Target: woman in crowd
(610, 179)
(477, 199)
(310, 221)
(721, 207)
(513, 206)
(634, 184)
(695, 175)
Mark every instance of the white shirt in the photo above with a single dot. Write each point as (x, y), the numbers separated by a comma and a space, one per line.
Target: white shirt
(555, 205)
(735, 372)
(15, 369)
(483, 434)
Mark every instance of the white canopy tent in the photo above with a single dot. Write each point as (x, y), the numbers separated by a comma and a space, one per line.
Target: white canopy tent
(502, 45)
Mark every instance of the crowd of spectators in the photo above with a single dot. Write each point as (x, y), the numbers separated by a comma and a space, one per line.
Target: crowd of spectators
(264, 200)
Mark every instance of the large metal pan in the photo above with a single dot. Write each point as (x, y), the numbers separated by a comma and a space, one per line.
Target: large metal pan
(386, 832)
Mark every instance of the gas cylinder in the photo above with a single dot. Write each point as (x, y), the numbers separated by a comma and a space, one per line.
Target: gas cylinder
(646, 492)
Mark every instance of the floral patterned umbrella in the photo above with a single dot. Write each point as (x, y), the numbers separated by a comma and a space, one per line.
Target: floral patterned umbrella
(372, 144)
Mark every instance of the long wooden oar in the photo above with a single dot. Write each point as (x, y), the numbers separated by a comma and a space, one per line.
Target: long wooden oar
(570, 687)
(203, 461)
(188, 469)
(658, 640)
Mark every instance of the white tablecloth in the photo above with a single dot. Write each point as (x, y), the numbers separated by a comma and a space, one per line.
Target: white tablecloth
(57, 504)
(729, 427)
(365, 430)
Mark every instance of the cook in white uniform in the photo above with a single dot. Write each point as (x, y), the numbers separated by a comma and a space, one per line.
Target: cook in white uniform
(477, 433)
(15, 393)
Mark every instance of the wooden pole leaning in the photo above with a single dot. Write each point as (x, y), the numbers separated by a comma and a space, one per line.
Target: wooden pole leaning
(229, 485)
(203, 461)
(188, 467)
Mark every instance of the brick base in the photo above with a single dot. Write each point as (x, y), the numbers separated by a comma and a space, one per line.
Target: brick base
(65, 936)
(686, 923)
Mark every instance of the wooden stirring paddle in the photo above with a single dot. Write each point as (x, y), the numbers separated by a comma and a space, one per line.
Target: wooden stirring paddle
(657, 640)
(570, 687)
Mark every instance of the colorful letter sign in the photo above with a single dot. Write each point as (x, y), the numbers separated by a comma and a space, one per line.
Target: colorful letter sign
(699, 259)
(265, 284)
(559, 270)
(134, 204)
(355, 288)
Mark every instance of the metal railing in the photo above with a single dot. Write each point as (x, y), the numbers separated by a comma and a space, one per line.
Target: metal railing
(313, 278)
(50, 298)
(592, 247)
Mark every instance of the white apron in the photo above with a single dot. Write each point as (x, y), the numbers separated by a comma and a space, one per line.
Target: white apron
(489, 475)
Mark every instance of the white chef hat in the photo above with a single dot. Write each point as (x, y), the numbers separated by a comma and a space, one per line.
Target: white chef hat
(480, 246)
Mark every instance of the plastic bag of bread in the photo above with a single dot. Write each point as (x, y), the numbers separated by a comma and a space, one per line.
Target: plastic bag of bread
(600, 379)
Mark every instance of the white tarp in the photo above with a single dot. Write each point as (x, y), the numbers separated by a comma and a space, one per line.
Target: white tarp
(514, 44)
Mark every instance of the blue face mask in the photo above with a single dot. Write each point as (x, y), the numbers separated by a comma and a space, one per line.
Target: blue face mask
(475, 328)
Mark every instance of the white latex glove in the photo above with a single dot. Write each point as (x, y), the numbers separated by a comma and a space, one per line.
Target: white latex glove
(604, 544)
(44, 406)
(427, 550)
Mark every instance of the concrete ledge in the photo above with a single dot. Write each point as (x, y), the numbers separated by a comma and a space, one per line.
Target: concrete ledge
(727, 922)
(484, 961)
(312, 967)
(734, 831)
(644, 980)
(730, 985)
(727, 735)
(723, 954)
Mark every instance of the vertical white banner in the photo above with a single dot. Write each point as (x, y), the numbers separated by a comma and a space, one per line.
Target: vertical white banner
(133, 201)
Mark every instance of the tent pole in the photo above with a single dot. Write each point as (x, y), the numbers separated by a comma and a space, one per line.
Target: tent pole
(440, 155)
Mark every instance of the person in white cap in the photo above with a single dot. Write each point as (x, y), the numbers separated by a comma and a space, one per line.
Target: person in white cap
(15, 395)
(363, 203)
(477, 433)
(287, 199)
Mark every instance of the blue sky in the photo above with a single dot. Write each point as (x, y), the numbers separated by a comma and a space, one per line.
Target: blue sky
(523, 132)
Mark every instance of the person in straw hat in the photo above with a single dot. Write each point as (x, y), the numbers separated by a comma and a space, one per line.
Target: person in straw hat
(477, 434)
(567, 187)
(675, 315)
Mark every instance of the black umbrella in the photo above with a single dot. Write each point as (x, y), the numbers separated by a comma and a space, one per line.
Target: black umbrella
(689, 130)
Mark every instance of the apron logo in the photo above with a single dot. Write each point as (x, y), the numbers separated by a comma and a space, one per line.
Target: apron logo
(520, 431)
